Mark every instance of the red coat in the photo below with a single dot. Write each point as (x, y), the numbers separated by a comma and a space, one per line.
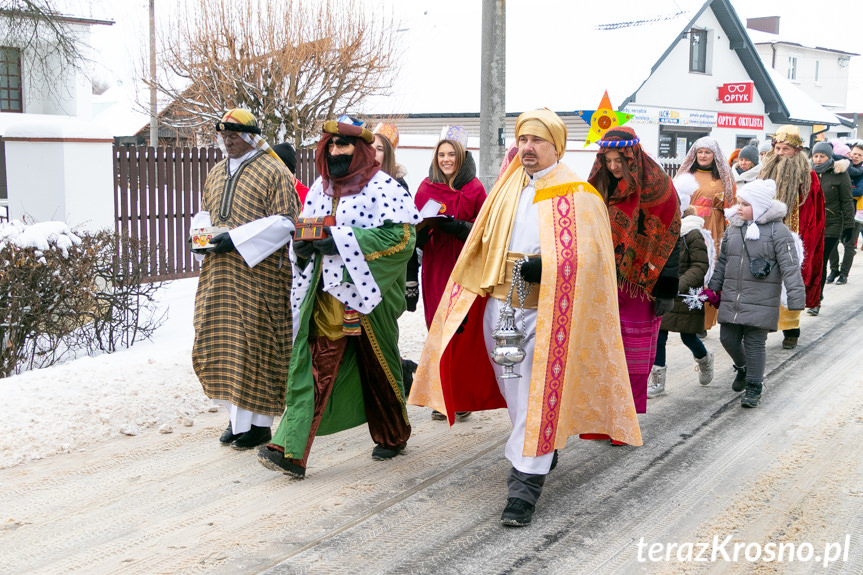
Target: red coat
(302, 190)
(442, 250)
(812, 216)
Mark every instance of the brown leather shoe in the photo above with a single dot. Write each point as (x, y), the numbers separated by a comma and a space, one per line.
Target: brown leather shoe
(789, 343)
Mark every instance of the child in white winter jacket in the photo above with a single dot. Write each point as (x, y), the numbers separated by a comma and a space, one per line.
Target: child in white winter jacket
(757, 256)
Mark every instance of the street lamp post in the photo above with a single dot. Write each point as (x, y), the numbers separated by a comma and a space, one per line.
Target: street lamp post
(154, 113)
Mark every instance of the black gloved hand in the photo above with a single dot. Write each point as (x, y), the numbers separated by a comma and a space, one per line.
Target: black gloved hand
(662, 305)
(460, 328)
(454, 227)
(304, 249)
(412, 295)
(222, 244)
(531, 270)
(847, 235)
(423, 236)
(327, 246)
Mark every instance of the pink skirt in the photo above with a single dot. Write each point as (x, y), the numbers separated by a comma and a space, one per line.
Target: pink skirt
(639, 328)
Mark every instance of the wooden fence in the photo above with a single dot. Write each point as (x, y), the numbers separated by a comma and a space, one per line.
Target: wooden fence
(156, 193)
(670, 168)
(158, 190)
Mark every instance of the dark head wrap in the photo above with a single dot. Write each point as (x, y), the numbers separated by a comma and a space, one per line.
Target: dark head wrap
(363, 165)
(286, 153)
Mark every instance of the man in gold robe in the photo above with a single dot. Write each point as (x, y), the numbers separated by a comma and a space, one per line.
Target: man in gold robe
(574, 378)
(242, 306)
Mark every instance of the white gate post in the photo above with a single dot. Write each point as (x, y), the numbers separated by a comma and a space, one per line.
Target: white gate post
(60, 169)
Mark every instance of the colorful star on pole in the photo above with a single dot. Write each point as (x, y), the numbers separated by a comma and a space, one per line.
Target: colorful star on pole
(602, 119)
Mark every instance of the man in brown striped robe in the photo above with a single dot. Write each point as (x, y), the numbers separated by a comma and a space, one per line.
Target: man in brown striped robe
(242, 307)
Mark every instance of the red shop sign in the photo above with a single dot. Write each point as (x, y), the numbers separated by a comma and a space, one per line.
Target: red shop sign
(739, 121)
(737, 93)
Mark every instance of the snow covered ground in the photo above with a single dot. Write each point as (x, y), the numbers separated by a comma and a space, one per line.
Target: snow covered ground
(148, 387)
(70, 406)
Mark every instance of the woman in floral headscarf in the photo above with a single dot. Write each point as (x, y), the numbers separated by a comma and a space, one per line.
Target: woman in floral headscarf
(716, 192)
(644, 215)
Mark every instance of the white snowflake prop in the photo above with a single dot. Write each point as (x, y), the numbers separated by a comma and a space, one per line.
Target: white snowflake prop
(695, 298)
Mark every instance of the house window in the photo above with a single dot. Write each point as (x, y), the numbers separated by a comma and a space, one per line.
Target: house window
(817, 71)
(674, 142)
(741, 141)
(698, 50)
(792, 67)
(10, 80)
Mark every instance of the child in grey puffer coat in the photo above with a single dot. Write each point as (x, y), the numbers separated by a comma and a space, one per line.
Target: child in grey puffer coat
(757, 256)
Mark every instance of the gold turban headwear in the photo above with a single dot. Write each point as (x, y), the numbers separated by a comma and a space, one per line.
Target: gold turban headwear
(482, 264)
(545, 124)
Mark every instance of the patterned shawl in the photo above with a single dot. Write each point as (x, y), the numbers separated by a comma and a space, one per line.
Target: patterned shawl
(645, 218)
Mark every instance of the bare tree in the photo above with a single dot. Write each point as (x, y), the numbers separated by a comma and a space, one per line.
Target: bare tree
(292, 63)
(47, 43)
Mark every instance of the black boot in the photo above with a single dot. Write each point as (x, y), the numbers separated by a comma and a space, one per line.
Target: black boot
(274, 460)
(752, 395)
(409, 368)
(517, 513)
(832, 276)
(739, 379)
(252, 438)
(381, 453)
(524, 490)
(228, 435)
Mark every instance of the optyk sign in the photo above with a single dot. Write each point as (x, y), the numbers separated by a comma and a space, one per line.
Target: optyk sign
(737, 93)
(739, 121)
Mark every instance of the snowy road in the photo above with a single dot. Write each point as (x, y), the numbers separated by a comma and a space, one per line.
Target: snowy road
(711, 476)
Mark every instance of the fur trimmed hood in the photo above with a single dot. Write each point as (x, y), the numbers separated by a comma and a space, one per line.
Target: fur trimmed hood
(776, 211)
(690, 223)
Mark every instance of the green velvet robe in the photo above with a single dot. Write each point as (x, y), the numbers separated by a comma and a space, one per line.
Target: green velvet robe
(386, 249)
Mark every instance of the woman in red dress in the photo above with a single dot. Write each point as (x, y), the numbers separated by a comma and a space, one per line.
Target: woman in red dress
(452, 182)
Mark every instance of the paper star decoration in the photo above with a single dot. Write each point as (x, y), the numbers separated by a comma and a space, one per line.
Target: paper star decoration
(602, 119)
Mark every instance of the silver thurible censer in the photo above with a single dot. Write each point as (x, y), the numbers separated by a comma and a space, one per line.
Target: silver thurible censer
(508, 339)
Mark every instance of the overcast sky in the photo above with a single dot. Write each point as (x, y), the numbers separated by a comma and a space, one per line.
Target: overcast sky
(442, 37)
